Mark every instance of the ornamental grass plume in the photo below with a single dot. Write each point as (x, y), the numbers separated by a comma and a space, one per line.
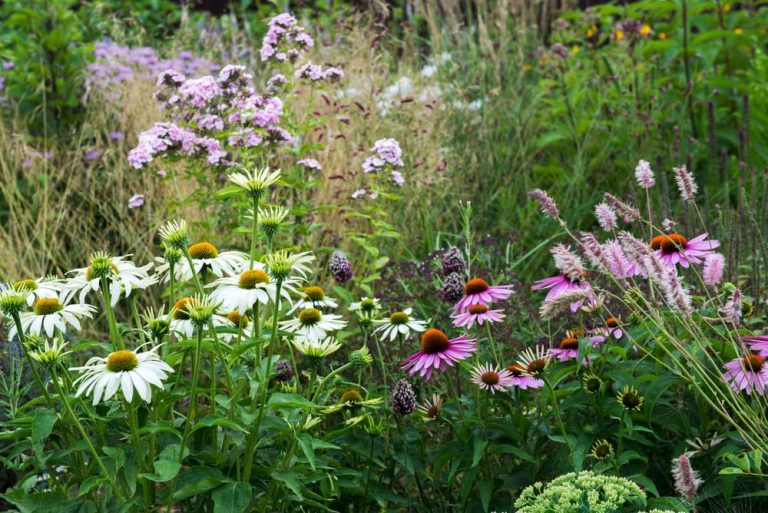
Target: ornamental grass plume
(644, 175)
(547, 205)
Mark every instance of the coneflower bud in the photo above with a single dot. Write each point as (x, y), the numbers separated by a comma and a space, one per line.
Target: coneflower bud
(403, 398)
(644, 175)
(628, 213)
(340, 268)
(686, 184)
(175, 234)
(361, 357)
(13, 300)
(713, 269)
(546, 203)
(453, 288)
(453, 262)
(606, 217)
(686, 479)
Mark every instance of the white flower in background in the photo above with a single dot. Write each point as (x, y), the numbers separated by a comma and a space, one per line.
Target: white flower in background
(182, 320)
(313, 297)
(400, 323)
(122, 370)
(243, 291)
(240, 322)
(313, 324)
(48, 286)
(204, 256)
(316, 348)
(122, 274)
(49, 314)
(366, 307)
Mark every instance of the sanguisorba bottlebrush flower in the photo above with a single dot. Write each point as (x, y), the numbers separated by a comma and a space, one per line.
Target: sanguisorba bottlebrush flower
(437, 352)
(490, 377)
(122, 275)
(122, 370)
(674, 248)
(243, 291)
(686, 184)
(606, 217)
(478, 291)
(749, 374)
(547, 205)
(618, 263)
(628, 213)
(313, 324)
(520, 378)
(204, 256)
(476, 314)
(644, 175)
(403, 398)
(687, 480)
(49, 314)
(712, 272)
(400, 324)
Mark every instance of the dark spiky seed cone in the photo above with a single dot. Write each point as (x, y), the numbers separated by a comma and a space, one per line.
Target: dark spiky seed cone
(340, 268)
(453, 262)
(453, 288)
(403, 398)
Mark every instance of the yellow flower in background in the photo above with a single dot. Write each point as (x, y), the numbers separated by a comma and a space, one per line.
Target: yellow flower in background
(727, 8)
(591, 31)
(738, 31)
(662, 35)
(645, 30)
(618, 35)
(575, 49)
(527, 68)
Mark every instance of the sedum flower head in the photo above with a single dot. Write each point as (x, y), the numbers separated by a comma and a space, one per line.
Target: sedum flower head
(256, 181)
(175, 234)
(585, 491)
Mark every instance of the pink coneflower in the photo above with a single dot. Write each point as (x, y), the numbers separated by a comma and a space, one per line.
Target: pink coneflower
(522, 379)
(559, 285)
(686, 479)
(606, 217)
(644, 175)
(674, 248)
(686, 184)
(568, 350)
(712, 272)
(610, 329)
(748, 373)
(491, 377)
(437, 351)
(477, 291)
(757, 343)
(477, 313)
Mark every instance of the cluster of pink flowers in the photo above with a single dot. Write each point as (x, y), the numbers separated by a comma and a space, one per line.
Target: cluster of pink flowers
(311, 164)
(387, 155)
(115, 64)
(211, 117)
(285, 39)
(316, 73)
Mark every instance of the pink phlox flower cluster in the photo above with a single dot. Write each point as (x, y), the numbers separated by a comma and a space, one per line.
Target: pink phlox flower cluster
(284, 39)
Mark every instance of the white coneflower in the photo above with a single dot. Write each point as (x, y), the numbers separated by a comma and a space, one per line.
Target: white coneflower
(687, 480)
(316, 348)
(204, 256)
(644, 175)
(50, 354)
(48, 286)
(282, 265)
(686, 184)
(175, 234)
(122, 370)
(400, 323)
(187, 314)
(241, 323)
(313, 324)
(313, 297)
(122, 275)
(13, 300)
(243, 291)
(255, 182)
(49, 314)
(606, 217)
(366, 305)
(270, 219)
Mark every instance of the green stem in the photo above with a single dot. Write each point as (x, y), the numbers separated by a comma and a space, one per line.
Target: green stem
(133, 423)
(136, 318)
(114, 332)
(254, 230)
(35, 373)
(560, 421)
(250, 447)
(193, 394)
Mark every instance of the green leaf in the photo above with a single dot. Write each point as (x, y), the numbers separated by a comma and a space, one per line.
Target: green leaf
(290, 479)
(480, 446)
(165, 470)
(197, 480)
(31, 503)
(42, 426)
(486, 489)
(305, 442)
(281, 400)
(217, 420)
(231, 498)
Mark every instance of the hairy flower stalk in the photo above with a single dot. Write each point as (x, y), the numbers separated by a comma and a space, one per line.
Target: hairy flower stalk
(591, 247)
(547, 205)
(712, 273)
(628, 213)
(686, 184)
(686, 479)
